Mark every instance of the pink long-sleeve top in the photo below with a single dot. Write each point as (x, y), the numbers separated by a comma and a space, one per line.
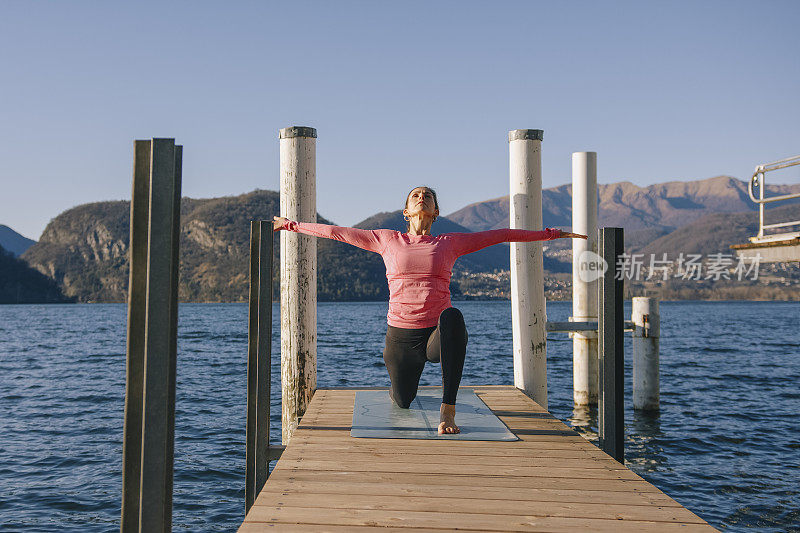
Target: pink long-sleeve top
(419, 267)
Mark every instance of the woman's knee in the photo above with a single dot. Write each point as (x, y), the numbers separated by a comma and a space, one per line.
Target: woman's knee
(403, 399)
(451, 323)
(451, 317)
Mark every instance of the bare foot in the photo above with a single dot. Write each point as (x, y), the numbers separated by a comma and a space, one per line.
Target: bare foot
(447, 419)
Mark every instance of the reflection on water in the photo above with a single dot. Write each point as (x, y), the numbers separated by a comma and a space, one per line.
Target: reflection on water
(584, 421)
(644, 451)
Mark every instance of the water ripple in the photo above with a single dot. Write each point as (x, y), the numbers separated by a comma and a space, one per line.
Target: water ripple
(725, 443)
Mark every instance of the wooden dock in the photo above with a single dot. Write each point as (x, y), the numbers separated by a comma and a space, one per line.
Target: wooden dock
(550, 480)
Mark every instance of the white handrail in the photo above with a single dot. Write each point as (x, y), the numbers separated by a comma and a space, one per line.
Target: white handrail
(761, 183)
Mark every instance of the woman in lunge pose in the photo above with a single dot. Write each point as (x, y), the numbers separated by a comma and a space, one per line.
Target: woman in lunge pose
(422, 324)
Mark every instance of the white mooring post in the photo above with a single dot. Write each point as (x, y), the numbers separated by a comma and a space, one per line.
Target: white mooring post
(528, 317)
(298, 276)
(646, 333)
(584, 286)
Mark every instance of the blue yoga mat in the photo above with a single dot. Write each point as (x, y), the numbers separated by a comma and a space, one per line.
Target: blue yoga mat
(376, 416)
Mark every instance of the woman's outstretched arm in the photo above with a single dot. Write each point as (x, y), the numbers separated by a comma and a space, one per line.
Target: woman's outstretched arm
(370, 240)
(466, 243)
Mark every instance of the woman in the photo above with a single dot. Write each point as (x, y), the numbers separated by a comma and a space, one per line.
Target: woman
(422, 324)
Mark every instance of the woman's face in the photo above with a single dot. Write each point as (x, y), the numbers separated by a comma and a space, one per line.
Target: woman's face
(421, 202)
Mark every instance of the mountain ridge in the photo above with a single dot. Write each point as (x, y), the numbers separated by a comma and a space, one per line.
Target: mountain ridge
(84, 249)
(13, 242)
(21, 284)
(665, 206)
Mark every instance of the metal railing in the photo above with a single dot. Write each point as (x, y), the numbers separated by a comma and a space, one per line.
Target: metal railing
(759, 180)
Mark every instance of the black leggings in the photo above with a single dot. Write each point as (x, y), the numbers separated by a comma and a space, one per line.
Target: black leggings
(407, 350)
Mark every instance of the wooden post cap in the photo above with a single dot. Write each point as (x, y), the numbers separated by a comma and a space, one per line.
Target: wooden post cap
(298, 131)
(525, 135)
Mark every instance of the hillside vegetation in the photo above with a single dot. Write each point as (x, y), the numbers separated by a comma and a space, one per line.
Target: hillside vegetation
(21, 284)
(84, 250)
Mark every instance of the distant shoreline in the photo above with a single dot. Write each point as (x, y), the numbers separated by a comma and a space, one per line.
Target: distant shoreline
(384, 301)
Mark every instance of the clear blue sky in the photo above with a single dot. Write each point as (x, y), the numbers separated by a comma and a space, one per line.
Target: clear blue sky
(401, 93)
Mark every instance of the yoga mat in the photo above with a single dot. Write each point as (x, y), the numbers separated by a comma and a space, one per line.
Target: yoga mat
(376, 416)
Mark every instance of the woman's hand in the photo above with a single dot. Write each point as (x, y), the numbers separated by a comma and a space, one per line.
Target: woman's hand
(566, 234)
(279, 223)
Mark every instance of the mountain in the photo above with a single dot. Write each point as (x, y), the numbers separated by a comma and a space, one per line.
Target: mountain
(13, 242)
(715, 233)
(85, 249)
(663, 207)
(21, 284)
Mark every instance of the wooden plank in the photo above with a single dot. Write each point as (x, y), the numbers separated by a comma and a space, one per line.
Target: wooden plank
(524, 434)
(521, 424)
(485, 455)
(457, 469)
(342, 416)
(510, 507)
(521, 429)
(388, 461)
(371, 487)
(499, 391)
(541, 443)
(511, 410)
(551, 480)
(464, 480)
(464, 446)
(433, 461)
(253, 527)
(467, 521)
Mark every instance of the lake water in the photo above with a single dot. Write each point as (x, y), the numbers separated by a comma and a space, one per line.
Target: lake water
(726, 443)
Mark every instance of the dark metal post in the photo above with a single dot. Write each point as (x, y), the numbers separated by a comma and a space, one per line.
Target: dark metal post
(258, 360)
(152, 338)
(264, 352)
(611, 345)
(137, 285)
(252, 375)
(173, 336)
